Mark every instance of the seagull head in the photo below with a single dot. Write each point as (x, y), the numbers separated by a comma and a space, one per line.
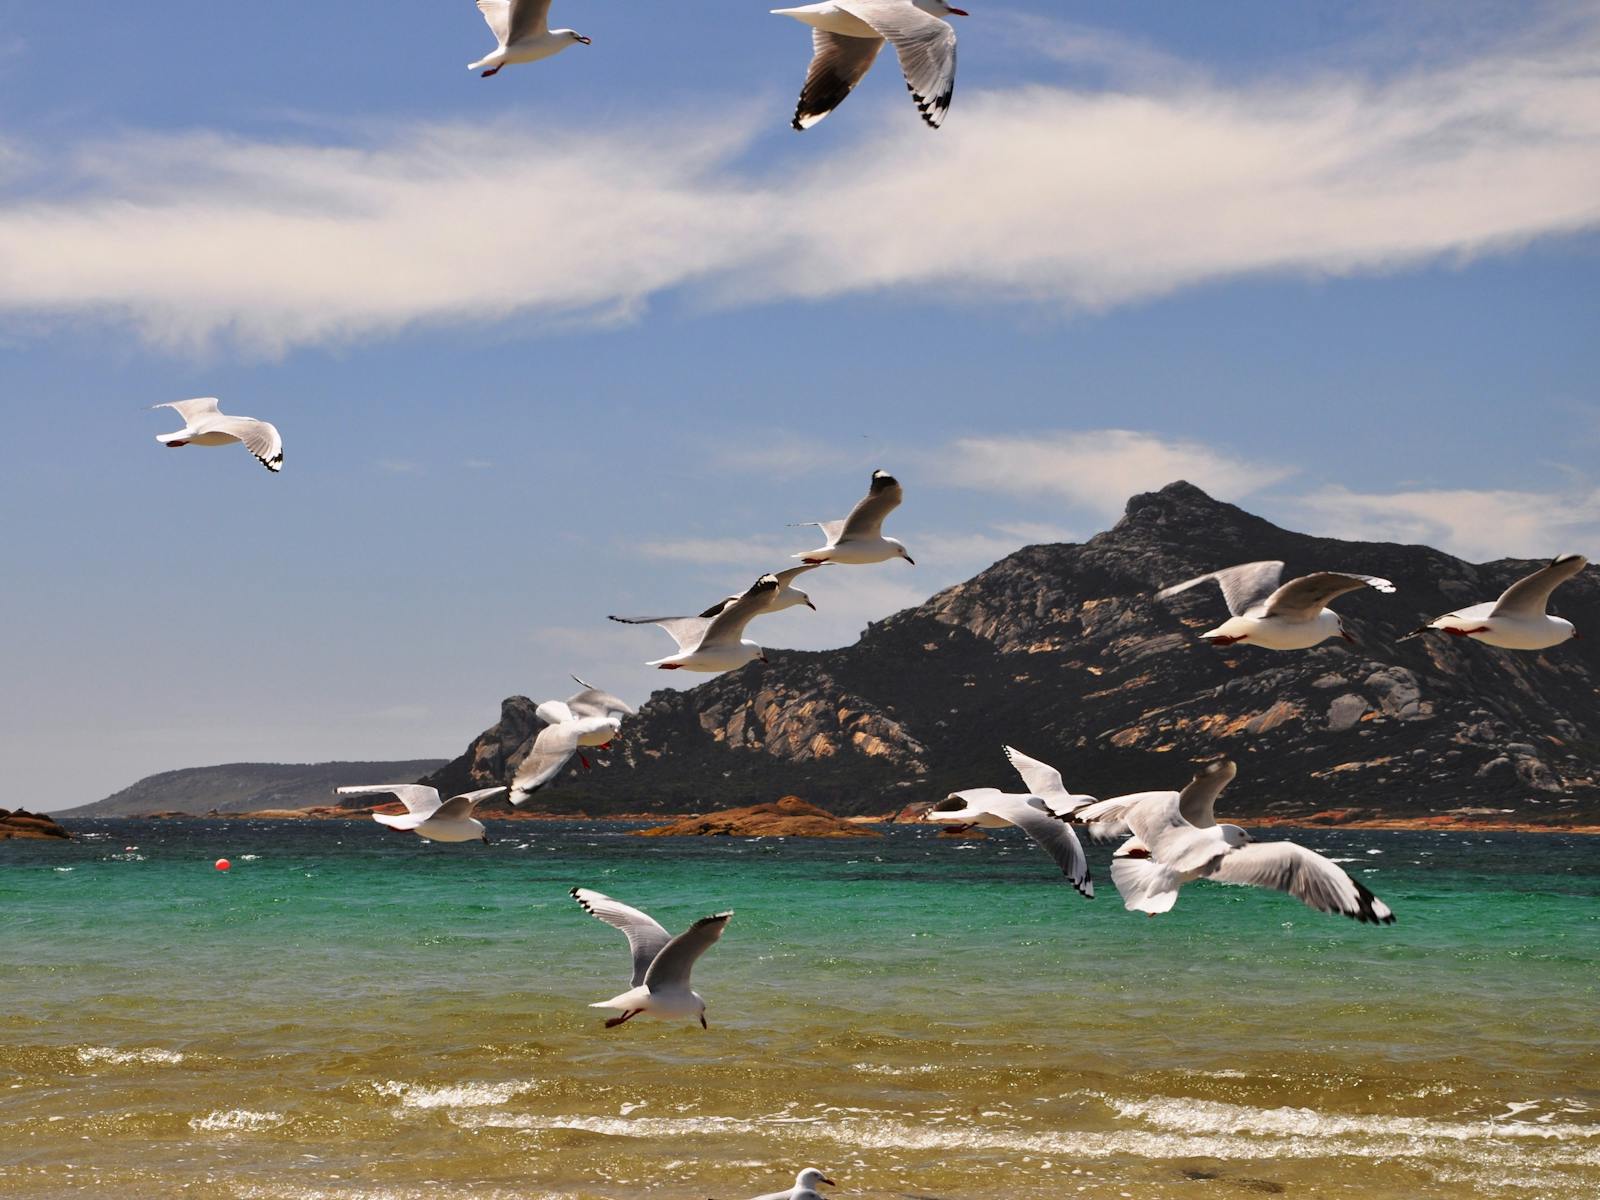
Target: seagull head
(577, 37)
(939, 8)
(899, 549)
(808, 1179)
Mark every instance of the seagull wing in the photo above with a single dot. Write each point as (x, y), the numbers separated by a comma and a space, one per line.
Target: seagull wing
(418, 798)
(497, 14)
(1044, 781)
(1303, 598)
(785, 578)
(838, 63)
(1197, 803)
(1529, 596)
(645, 936)
(592, 702)
(882, 498)
(458, 808)
(1243, 587)
(1305, 875)
(677, 958)
(926, 46)
(192, 410)
(728, 626)
(1054, 834)
(688, 632)
(259, 437)
(529, 18)
(1156, 819)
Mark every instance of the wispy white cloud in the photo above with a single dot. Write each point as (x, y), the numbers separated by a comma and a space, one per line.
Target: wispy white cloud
(1473, 524)
(1068, 199)
(1098, 469)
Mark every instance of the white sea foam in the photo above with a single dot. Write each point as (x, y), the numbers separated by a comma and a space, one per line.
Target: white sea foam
(452, 1095)
(149, 1056)
(237, 1120)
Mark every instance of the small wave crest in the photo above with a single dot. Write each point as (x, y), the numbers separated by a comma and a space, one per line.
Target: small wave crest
(149, 1056)
(237, 1120)
(453, 1095)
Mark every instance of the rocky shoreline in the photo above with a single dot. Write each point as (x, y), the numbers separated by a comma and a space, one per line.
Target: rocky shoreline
(20, 823)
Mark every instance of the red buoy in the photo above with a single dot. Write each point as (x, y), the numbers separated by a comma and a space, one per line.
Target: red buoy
(223, 864)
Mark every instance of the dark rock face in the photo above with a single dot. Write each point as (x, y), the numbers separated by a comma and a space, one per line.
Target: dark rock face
(1062, 651)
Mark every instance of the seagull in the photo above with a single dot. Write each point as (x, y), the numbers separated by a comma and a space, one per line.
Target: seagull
(1173, 851)
(661, 962)
(859, 537)
(1293, 616)
(588, 718)
(990, 808)
(846, 36)
(714, 643)
(522, 29)
(1197, 803)
(426, 815)
(205, 426)
(805, 1187)
(1518, 620)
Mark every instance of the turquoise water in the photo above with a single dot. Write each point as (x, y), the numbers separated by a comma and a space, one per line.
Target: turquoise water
(355, 1014)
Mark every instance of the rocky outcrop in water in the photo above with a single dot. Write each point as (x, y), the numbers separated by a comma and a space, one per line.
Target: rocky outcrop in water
(1062, 651)
(23, 824)
(788, 817)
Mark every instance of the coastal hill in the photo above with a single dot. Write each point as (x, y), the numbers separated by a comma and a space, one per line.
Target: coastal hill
(247, 787)
(1062, 651)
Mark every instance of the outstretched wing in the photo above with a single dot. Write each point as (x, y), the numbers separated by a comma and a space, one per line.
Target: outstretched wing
(1530, 596)
(926, 46)
(1305, 597)
(645, 936)
(192, 410)
(837, 65)
(497, 15)
(529, 18)
(677, 958)
(417, 797)
(1303, 874)
(728, 625)
(1197, 803)
(592, 702)
(688, 632)
(1054, 835)
(1243, 586)
(1044, 781)
(458, 808)
(785, 578)
(259, 437)
(883, 496)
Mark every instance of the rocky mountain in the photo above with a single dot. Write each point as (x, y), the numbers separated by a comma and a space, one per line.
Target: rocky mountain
(246, 787)
(1062, 651)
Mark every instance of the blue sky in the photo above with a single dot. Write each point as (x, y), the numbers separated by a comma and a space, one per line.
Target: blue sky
(582, 338)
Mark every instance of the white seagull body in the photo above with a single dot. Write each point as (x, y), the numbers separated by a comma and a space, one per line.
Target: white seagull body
(990, 808)
(805, 1187)
(588, 718)
(661, 962)
(203, 425)
(1518, 620)
(426, 815)
(1293, 616)
(859, 537)
(846, 36)
(522, 32)
(714, 643)
(1172, 851)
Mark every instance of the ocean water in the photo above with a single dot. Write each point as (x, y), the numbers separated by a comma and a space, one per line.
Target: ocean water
(352, 1014)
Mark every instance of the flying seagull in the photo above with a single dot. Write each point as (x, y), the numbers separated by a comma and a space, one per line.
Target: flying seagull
(1173, 851)
(661, 962)
(426, 815)
(846, 36)
(990, 808)
(522, 32)
(587, 718)
(805, 1187)
(714, 643)
(203, 425)
(859, 537)
(1518, 620)
(1044, 781)
(1292, 616)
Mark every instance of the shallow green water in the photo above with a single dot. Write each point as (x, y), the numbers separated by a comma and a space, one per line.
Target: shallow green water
(355, 1014)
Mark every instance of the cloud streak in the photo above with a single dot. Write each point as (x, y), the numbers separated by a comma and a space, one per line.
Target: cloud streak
(1066, 199)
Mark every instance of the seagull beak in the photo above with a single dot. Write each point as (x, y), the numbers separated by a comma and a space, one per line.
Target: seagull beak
(703, 1024)
(585, 41)
(911, 560)
(959, 12)
(825, 1179)
(813, 608)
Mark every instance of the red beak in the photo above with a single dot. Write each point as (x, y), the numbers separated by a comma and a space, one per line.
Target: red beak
(959, 12)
